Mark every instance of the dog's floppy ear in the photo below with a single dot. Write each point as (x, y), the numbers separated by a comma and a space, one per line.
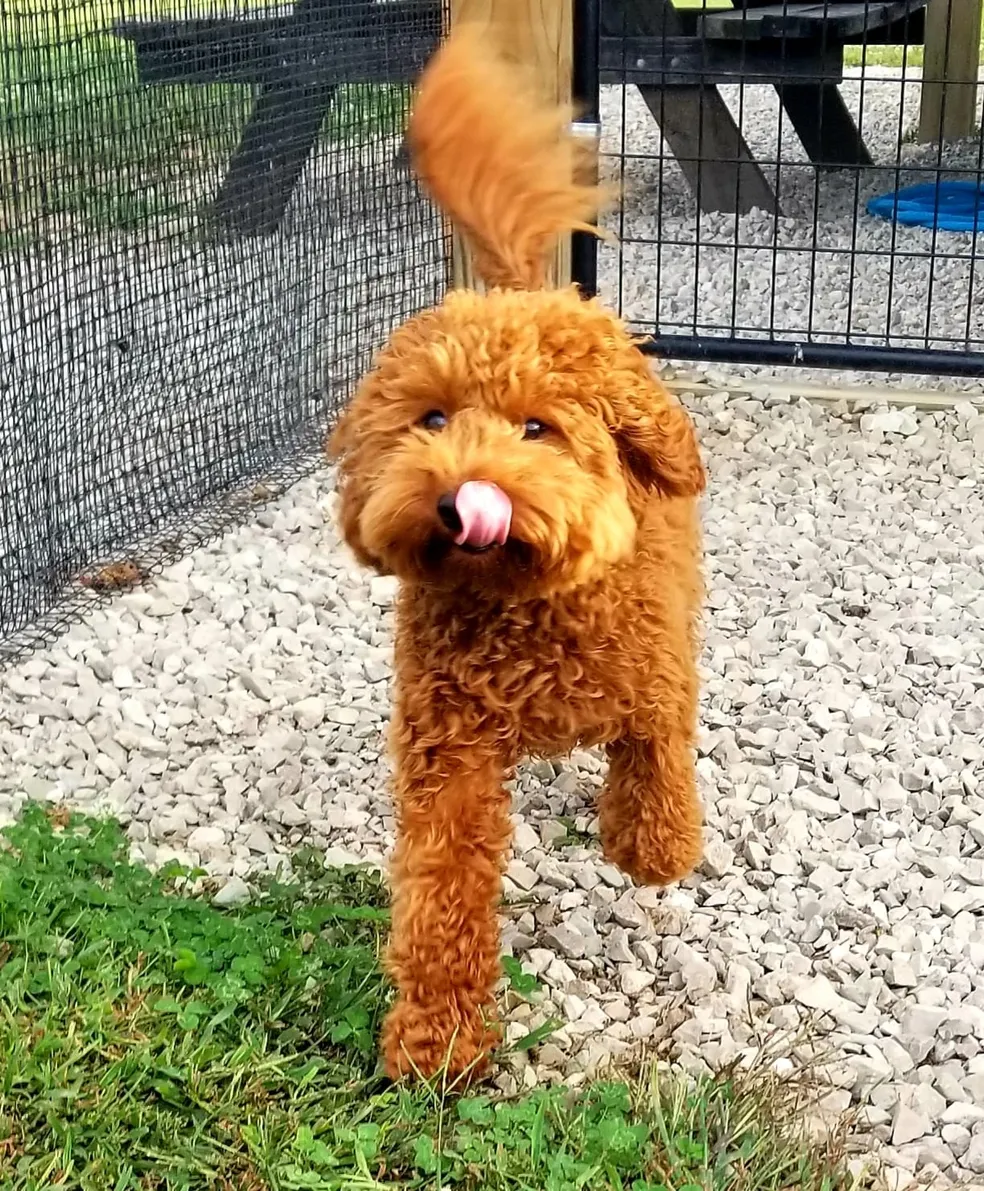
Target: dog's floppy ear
(658, 444)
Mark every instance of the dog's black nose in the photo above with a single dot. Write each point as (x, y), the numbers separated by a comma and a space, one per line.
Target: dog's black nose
(448, 513)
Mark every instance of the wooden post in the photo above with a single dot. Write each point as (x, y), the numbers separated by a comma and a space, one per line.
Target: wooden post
(537, 34)
(948, 105)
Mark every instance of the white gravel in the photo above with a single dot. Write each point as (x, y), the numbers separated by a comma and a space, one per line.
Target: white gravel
(692, 272)
(236, 706)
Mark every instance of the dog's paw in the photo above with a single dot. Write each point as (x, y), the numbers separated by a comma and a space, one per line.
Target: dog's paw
(430, 1040)
(650, 862)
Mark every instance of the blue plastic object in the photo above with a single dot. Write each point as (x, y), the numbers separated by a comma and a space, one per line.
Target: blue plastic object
(949, 206)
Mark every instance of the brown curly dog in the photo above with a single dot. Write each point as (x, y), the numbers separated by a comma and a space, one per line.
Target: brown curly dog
(512, 460)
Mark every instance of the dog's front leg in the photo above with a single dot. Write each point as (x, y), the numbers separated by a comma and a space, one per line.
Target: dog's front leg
(650, 812)
(454, 829)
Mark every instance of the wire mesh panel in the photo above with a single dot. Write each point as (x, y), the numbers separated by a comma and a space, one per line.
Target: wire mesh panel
(753, 144)
(205, 231)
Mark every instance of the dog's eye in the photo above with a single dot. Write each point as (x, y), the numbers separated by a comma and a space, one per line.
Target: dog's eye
(434, 420)
(534, 428)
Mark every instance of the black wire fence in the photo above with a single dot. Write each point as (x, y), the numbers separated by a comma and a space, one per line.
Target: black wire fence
(767, 155)
(207, 228)
(205, 232)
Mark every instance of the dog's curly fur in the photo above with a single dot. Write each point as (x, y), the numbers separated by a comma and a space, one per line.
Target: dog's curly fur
(581, 629)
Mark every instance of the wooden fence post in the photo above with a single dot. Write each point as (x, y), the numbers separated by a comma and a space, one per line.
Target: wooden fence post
(538, 34)
(948, 108)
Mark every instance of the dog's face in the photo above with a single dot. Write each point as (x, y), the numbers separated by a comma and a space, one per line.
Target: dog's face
(508, 443)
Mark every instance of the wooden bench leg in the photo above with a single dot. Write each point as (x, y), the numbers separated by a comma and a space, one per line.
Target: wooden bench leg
(710, 149)
(824, 125)
(277, 140)
(695, 121)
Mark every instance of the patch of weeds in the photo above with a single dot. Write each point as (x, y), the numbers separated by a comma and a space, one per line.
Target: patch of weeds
(573, 837)
(742, 1130)
(137, 1021)
(84, 141)
(524, 984)
(360, 110)
(641, 1133)
(150, 1041)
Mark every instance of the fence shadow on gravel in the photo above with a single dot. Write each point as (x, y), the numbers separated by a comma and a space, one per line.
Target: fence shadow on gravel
(201, 243)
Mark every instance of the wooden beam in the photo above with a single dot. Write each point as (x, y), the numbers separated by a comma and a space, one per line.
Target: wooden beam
(824, 125)
(693, 384)
(948, 104)
(273, 149)
(537, 34)
(311, 47)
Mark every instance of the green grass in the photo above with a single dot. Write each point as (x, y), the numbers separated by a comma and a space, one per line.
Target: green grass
(82, 141)
(150, 1040)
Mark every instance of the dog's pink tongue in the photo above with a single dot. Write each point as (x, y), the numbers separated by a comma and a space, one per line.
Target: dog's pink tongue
(485, 513)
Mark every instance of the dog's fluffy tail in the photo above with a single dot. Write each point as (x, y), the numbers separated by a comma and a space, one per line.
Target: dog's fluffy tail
(501, 163)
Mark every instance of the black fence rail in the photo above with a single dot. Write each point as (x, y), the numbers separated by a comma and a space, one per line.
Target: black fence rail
(205, 233)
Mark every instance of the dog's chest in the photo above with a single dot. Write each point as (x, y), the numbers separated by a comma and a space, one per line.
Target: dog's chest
(553, 686)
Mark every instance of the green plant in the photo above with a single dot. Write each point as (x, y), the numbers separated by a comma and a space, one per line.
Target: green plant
(640, 1133)
(135, 1021)
(573, 837)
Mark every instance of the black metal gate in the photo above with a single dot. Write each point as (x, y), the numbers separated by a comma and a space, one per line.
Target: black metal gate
(767, 156)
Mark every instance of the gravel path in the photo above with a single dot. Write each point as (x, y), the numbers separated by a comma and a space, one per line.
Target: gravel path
(236, 707)
(692, 272)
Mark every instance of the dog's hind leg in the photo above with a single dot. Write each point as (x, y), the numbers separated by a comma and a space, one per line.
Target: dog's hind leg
(651, 819)
(454, 829)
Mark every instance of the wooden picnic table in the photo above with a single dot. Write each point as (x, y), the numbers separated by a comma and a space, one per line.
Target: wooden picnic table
(297, 58)
(678, 58)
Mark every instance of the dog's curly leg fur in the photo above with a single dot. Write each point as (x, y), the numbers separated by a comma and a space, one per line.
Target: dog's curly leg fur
(650, 814)
(454, 829)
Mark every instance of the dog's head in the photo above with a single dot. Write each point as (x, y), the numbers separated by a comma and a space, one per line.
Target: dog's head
(508, 443)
